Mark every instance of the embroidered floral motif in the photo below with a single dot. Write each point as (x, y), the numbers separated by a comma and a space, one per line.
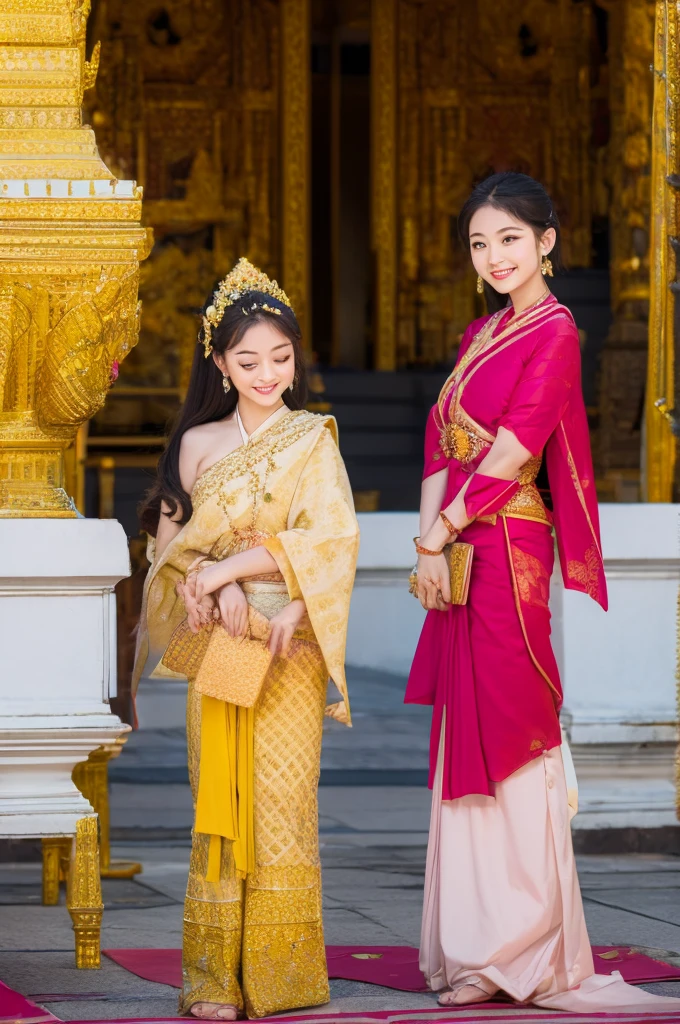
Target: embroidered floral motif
(533, 581)
(587, 574)
(249, 457)
(527, 504)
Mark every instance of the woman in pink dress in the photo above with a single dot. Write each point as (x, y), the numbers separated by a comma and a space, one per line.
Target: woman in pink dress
(503, 907)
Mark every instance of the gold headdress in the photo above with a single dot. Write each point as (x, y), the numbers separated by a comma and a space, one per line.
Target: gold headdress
(242, 279)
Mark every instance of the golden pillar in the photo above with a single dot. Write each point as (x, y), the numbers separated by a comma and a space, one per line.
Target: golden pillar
(70, 246)
(295, 158)
(660, 448)
(624, 357)
(384, 180)
(84, 893)
(92, 779)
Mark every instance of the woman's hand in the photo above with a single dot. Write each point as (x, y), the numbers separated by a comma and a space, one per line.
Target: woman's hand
(210, 579)
(233, 609)
(199, 613)
(283, 625)
(434, 582)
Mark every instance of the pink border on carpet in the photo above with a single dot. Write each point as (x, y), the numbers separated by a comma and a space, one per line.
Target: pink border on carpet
(393, 967)
(16, 1009)
(426, 1017)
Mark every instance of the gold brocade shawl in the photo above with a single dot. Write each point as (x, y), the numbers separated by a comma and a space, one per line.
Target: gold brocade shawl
(286, 489)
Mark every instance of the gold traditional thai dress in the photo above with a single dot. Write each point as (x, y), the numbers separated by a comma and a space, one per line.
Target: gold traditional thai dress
(253, 934)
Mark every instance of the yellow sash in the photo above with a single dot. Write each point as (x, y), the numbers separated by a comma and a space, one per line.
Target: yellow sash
(224, 807)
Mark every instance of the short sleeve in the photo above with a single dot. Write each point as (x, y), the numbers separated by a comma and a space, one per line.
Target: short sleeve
(435, 459)
(542, 394)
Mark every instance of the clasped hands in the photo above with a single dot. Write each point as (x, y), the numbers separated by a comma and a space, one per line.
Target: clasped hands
(207, 598)
(433, 588)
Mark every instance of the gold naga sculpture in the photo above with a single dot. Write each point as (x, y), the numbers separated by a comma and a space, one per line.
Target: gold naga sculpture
(71, 242)
(70, 246)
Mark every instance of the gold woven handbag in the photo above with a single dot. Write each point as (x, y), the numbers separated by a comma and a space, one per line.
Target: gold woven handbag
(186, 650)
(233, 669)
(459, 559)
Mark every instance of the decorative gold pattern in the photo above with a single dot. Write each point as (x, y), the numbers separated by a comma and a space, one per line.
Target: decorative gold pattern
(459, 441)
(627, 163)
(70, 246)
(266, 933)
(249, 457)
(464, 440)
(587, 573)
(242, 279)
(234, 669)
(295, 165)
(453, 109)
(660, 445)
(84, 895)
(92, 779)
(533, 581)
(383, 179)
(520, 613)
(56, 852)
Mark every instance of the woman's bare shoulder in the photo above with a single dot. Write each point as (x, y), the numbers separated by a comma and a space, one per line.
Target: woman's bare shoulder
(196, 438)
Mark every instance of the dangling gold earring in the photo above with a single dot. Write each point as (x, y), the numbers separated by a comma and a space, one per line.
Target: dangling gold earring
(546, 267)
(480, 285)
(226, 383)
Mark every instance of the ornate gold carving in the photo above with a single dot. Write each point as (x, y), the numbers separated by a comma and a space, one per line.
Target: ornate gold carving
(84, 894)
(383, 179)
(70, 246)
(197, 121)
(631, 105)
(92, 779)
(624, 357)
(295, 135)
(455, 105)
(56, 852)
(660, 445)
(459, 442)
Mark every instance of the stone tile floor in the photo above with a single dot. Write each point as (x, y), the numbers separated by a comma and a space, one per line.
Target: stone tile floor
(373, 876)
(373, 851)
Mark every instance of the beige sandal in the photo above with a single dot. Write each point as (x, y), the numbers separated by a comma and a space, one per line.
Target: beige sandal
(216, 1011)
(463, 996)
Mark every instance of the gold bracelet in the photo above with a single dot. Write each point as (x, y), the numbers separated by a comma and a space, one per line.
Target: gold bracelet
(423, 551)
(448, 524)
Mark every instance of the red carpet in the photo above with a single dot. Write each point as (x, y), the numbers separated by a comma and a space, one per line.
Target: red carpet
(16, 1009)
(391, 966)
(480, 1015)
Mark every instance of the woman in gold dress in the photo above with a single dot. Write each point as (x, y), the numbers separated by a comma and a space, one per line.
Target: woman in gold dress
(252, 514)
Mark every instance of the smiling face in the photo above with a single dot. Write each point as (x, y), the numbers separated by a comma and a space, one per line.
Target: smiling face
(260, 366)
(505, 251)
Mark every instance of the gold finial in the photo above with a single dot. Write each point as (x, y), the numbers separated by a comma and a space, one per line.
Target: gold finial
(242, 279)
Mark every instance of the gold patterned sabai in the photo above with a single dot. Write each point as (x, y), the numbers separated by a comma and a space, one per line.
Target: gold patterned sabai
(70, 246)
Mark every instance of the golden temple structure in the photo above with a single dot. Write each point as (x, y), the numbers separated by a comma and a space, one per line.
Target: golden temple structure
(332, 142)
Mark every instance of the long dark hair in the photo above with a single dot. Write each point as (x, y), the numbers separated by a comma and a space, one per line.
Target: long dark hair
(523, 198)
(207, 401)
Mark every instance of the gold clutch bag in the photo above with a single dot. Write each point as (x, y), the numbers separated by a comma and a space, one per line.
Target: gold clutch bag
(186, 650)
(233, 669)
(459, 559)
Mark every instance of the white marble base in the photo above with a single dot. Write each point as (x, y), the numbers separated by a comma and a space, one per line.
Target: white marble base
(57, 664)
